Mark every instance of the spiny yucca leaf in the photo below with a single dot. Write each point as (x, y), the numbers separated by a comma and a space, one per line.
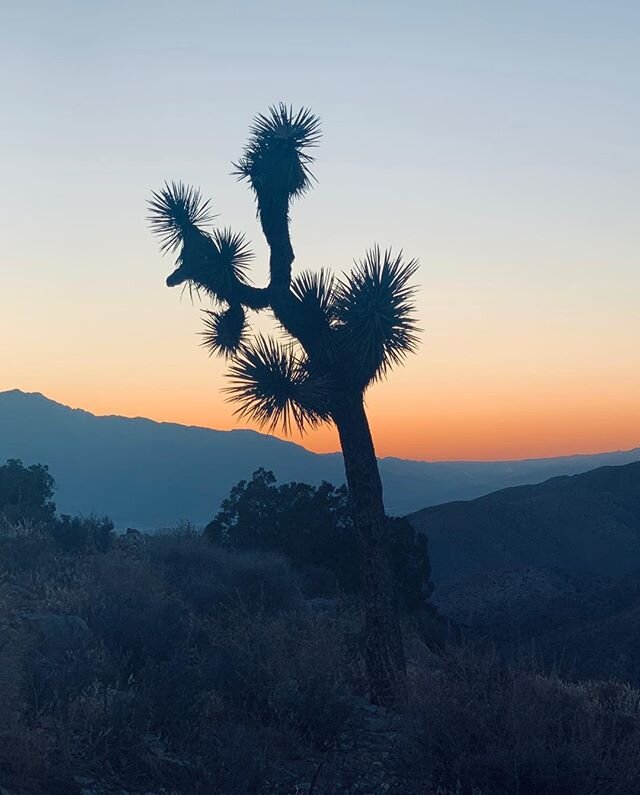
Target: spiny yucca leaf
(213, 262)
(224, 332)
(235, 253)
(174, 210)
(316, 292)
(301, 128)
(275, 160)
(196, 261)
(234, 256)
(315, 391)
(376, 314)
(273, 387)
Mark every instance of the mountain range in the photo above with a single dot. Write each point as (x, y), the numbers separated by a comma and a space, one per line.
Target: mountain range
(581, 524)
(150, 474)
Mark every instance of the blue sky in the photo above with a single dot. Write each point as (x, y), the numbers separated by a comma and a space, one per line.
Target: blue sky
(496, 141)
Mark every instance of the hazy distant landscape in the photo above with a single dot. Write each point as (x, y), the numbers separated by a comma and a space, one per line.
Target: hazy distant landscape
(149, 475)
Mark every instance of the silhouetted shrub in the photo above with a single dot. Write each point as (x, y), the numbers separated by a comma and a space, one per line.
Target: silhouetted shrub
(211, 578)
(483, 726)
(288, 670)
(26, 493)
(63, 660)
(24, 547)
(239, 757)
(79, 534)
(136, 616)
(313, 529)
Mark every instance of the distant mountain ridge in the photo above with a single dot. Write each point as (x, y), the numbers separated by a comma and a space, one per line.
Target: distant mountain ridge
(582, 524)
(150, 474)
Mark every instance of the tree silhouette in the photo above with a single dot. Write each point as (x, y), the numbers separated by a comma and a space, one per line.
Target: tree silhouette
(312, 527)
(341, 335)
(26, 493)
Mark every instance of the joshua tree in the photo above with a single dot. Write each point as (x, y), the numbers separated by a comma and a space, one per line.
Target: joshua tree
(340, 336)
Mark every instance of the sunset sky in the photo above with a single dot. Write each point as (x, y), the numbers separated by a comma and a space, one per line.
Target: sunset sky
(498, 142)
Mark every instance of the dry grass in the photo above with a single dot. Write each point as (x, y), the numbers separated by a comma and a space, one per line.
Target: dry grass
(207, 672)
(481, 725)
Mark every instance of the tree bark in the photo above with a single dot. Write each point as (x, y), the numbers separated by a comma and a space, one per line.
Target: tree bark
(384, 652)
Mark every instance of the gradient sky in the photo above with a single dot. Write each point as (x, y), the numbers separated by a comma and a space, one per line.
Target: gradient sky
(496, 141)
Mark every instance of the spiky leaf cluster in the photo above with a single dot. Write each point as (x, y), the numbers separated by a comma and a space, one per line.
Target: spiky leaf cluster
(374, 307)
(175, 211)
(275, 160)
(231, 264)
(316, 292)
(224, 332)
(274, 387)
(234, 251)
(215, 262)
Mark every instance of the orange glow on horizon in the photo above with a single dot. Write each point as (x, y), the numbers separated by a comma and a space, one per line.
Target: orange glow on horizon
(436, 428)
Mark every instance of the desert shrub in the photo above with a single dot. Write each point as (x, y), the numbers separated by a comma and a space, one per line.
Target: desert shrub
(311, 526)
(81, 534)
(239, 757)
(24, 547)
(289, 670)
(12, 649)
(131, 610)
(158, 691)
(211, 578)
(478, 725)
(54, 675)
(23, 752)
(26, 493)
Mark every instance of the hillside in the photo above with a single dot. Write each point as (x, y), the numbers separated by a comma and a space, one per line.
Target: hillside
(552, 569)
(586, 523)
(149, 474)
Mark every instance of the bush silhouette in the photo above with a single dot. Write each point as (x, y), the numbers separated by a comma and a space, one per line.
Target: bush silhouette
(26, 493)
(312, 527)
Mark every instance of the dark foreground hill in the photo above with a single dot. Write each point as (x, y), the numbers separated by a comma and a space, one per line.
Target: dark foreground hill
(584, 523)
(149, 474)
(552, 568)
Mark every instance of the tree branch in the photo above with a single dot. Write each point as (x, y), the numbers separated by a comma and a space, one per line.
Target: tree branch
(255, 298)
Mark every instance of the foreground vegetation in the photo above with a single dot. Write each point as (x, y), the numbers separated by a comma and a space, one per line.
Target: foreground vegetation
(209, 663)
(166, 664)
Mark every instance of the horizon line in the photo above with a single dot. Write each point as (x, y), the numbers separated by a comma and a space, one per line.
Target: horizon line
(313, 452)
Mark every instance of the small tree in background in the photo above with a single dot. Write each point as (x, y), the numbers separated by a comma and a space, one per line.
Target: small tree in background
(312, 527)
(341, 335)
(26, 493)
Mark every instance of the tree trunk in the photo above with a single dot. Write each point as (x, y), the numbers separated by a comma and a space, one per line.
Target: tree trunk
(384, 652)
